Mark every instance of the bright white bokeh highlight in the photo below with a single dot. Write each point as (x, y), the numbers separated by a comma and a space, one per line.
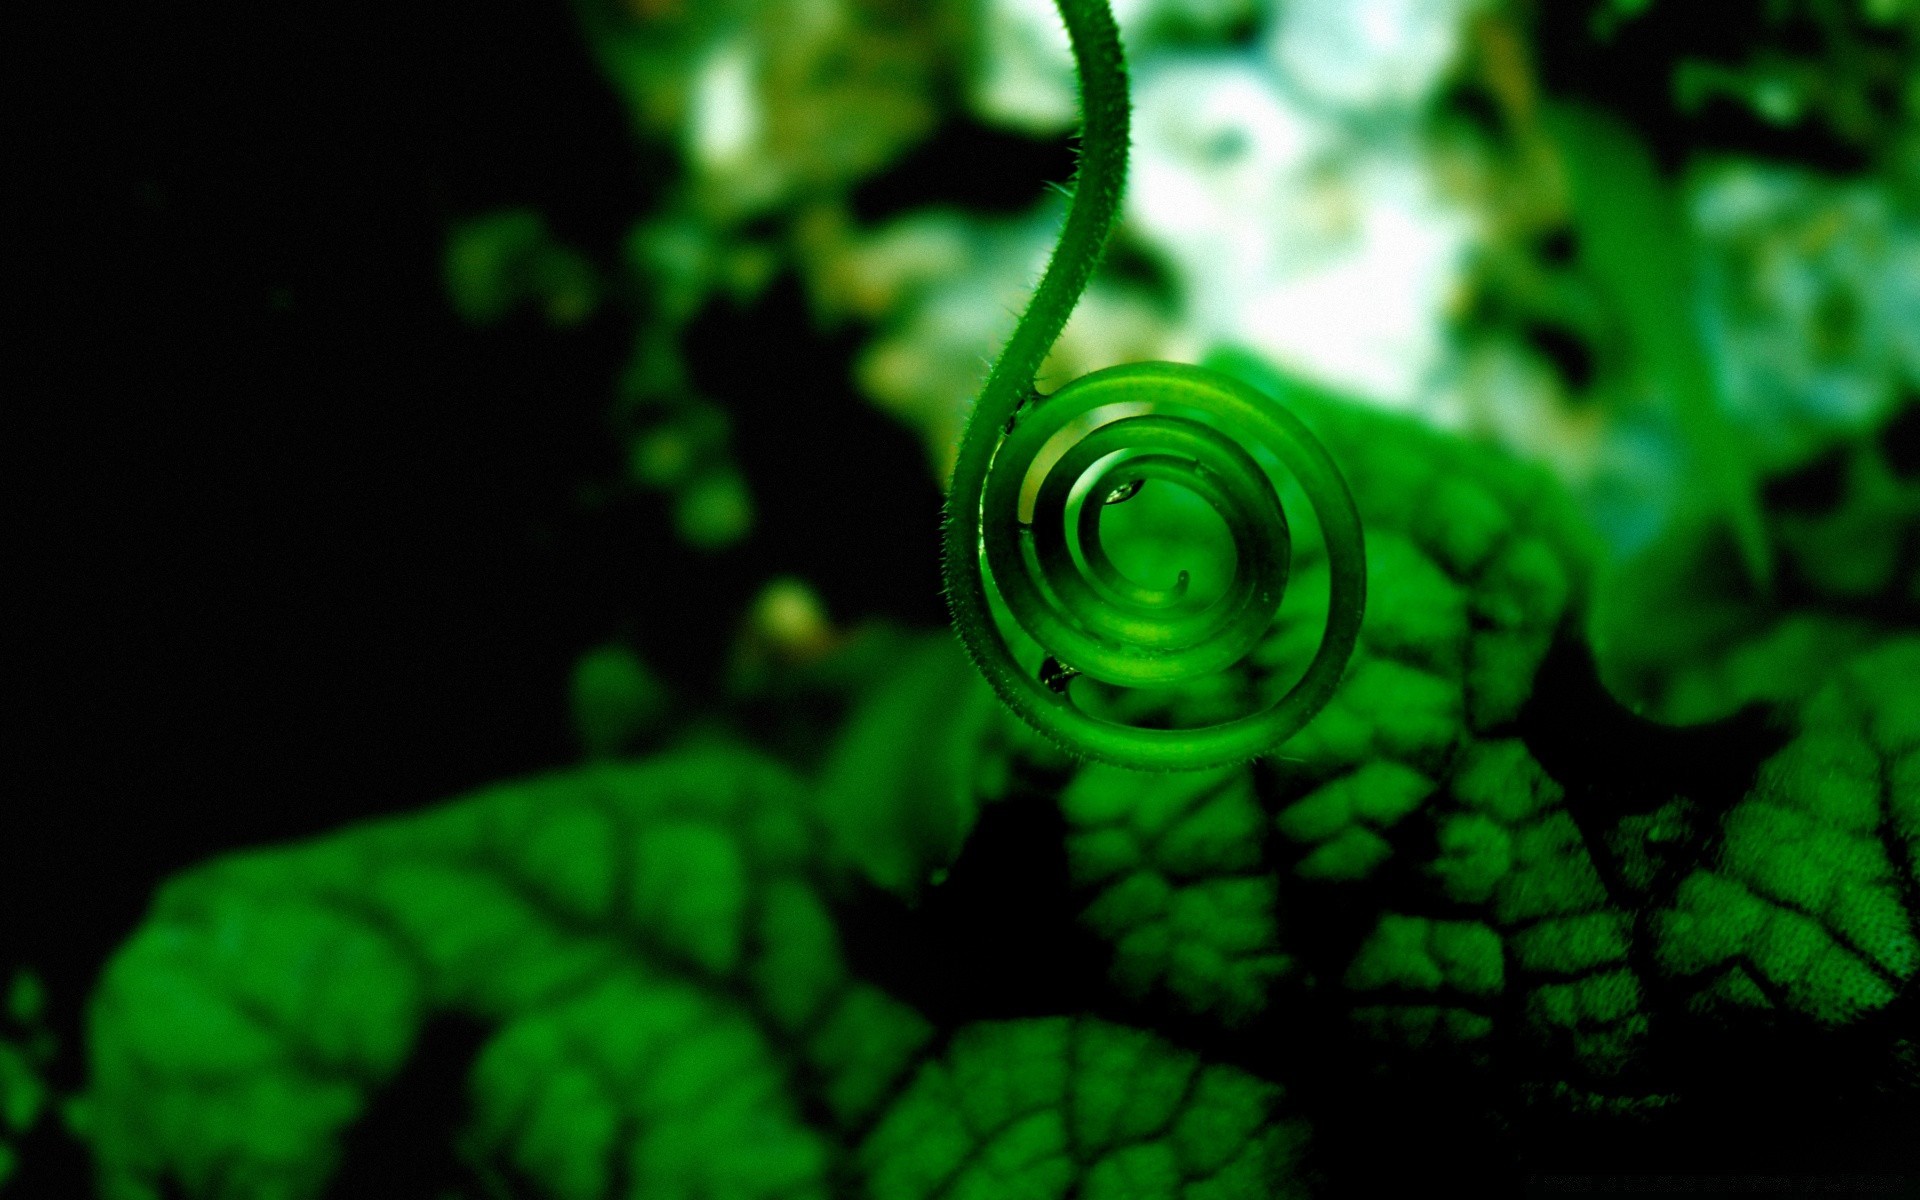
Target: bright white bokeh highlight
(1332, 254)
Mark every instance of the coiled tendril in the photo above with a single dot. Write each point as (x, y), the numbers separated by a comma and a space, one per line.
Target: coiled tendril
(1097, 440)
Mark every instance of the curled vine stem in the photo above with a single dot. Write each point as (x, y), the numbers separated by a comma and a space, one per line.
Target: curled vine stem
(1092, 444)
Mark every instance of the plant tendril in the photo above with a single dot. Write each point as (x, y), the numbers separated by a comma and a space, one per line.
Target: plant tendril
(1093, 444)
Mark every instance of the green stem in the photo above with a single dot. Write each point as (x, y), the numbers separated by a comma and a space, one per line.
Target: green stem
(1098, 185)
(1077, 606)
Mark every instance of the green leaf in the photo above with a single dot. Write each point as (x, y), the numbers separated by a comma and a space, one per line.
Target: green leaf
(1810, 906)
(23, 1093)
(616, 699)
(1474, 561)
(1057, 1108)
(906, 777)
(653, 954)
(26, 998)
(1682, 635)
(651, 945)
(1520, 929)
(1476, 564)
(507, 260)
(1632, 241)
(1173, 870)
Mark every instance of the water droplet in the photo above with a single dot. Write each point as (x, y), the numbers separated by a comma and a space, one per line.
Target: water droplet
(1056, 675)
(1124, 492)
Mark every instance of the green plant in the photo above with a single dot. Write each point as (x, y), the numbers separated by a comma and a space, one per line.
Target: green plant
(1471, 909)
(655, 953)
(1126, 426)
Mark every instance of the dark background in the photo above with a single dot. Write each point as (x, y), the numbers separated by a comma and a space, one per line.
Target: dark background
(295, 545)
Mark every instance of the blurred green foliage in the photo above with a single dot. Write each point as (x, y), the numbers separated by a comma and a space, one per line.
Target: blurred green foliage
(27, 1049)
(1842, 65)
(617, 701)
(499, 263)
(1628, 229)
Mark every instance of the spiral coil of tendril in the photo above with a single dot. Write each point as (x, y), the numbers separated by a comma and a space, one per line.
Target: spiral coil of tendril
(1101, 438)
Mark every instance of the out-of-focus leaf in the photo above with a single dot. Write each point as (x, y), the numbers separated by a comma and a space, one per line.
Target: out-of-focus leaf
(500, 262)
(650, 944)
(616, 700)
(1812, 287)
(1631, 239)
(27, 1050)
(713, 510)
(776, 100)
(647, 53)
(677, 440)
(1682, 635)
(904, 782)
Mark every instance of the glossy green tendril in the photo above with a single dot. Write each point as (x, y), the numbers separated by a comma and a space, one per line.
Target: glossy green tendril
(1098, 439)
